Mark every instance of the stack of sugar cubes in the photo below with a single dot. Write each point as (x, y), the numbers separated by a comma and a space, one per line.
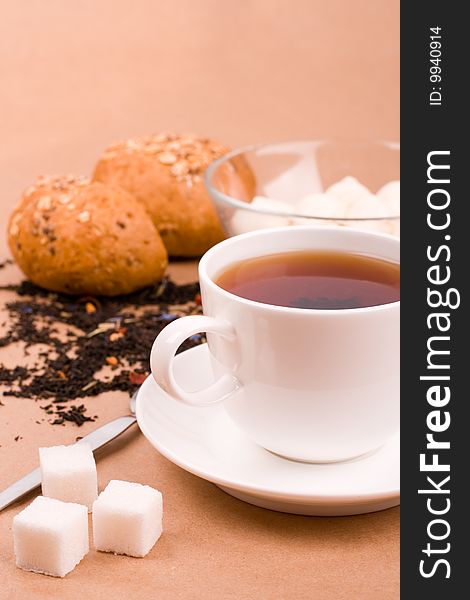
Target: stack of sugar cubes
(50, 535)
(346, 199)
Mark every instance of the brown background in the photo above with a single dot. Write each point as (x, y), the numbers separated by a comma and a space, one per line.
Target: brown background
(75, 76)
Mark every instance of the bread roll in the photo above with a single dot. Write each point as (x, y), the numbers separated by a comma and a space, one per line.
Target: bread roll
(70, 235)
(165, 173)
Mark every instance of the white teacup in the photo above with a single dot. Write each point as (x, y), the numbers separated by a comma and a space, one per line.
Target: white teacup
(308, 384)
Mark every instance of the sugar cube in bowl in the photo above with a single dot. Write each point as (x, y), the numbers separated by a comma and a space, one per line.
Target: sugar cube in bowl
(348, 189)
(50, 536)
(390, 194)
(68, 473)
(127, 518)
(244, 220)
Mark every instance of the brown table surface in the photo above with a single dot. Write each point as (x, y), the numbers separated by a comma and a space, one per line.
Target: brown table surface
(78, 75)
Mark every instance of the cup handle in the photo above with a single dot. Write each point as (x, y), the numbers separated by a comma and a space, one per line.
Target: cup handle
(164, 349)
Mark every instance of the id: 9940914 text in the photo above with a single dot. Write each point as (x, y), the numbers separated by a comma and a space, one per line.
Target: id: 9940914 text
(435, 69)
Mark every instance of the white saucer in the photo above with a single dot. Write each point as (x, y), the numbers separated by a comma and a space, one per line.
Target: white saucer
(206, 442)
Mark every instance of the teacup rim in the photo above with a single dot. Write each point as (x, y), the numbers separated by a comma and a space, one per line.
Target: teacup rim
(203, 274)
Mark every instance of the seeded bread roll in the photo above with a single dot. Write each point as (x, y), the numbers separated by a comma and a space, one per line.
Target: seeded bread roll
(165, 173)
(70, 235)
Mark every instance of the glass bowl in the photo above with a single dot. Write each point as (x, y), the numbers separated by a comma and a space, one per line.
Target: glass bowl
(293, 183)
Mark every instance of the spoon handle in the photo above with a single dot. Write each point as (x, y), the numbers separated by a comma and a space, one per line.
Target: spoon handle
(96, 439)
(107, 432)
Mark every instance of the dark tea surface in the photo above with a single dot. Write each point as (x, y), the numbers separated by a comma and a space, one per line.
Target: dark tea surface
(314, 279)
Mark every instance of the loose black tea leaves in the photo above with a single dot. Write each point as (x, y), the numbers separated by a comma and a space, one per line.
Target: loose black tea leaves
(81, 337)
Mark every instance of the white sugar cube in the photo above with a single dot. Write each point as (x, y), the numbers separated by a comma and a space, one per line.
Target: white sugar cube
(366, 207)
(127, 518)
(50, 536)
(321, 205)
(390, 194)
(68, 473)
(245, 220)
(348, 189)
